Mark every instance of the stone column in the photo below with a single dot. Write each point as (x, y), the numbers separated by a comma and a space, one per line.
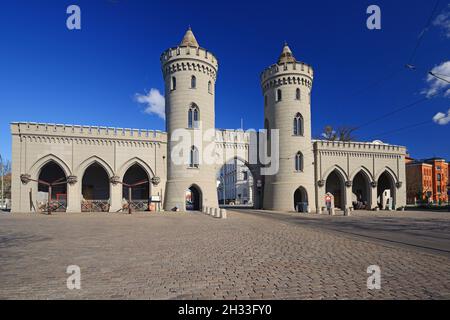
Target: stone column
(73, 194)
(373, 195)
(115, 194)
(320, 189)
(348, 197)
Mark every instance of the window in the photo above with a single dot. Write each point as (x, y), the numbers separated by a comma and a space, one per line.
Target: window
(279, 95)
(193, 117)
(193, 82)
(299, 161)
(209, 87)
(439, 177)
(193, 157)
(298, 125)
(174, 83)
(439, 189)
(297, 94)
(245, 175)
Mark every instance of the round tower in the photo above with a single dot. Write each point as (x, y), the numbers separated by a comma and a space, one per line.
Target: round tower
(286, 88)
(190, 74)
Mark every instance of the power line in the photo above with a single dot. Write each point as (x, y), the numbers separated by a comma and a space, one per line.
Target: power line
(438, 77)
(376, 83)
(410, 105)
(411, 126)
(421, 35)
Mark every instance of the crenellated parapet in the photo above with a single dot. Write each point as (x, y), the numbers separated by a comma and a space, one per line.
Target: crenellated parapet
(91, 135)
(358, 149)
(232, 136)
(187, 58)
(289, 73)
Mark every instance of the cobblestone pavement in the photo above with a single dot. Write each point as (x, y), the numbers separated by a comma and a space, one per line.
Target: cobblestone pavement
(424, 230)
(194, 256)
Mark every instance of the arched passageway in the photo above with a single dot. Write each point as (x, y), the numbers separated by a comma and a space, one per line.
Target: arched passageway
(335, 186)
(193, 198)
(300, 200)
(235, 184)
(51, 173)
(140, 193)
(361, 191)
(95, 189)
(386, 191)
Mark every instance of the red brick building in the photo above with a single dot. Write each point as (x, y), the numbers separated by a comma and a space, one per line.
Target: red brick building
(426, 180)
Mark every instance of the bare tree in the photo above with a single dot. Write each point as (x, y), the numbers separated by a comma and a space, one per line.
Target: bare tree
(329, 134)
(343, 133)
(5, 178)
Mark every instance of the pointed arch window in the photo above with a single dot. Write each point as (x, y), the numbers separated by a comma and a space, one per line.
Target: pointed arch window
(193, 117)
(174, 84)
(298, 125)
(193, 82)
(279, 95)
(299, 162)
(297, 94)
(193, 157)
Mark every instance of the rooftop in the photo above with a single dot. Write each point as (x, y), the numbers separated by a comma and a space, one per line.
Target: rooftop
(189, 39)
(286, 55)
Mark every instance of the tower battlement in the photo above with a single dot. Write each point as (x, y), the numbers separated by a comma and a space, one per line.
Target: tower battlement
(288, 73)
(200, 60)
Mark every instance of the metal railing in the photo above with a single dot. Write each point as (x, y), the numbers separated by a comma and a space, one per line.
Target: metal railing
(138, 205)
(55, 206)
(95, 206)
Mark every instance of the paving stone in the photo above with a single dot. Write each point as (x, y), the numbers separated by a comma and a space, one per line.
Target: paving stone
(191, 256)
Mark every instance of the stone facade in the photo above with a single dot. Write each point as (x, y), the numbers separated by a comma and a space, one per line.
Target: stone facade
(89, 158)
(74, 149)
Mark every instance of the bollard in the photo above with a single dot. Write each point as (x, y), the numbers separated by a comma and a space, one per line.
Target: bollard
(210, 211)
(223, 213)
(216, 213)
(347, 212)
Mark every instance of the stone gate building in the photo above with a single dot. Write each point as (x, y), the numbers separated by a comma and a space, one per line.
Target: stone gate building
(93, 166)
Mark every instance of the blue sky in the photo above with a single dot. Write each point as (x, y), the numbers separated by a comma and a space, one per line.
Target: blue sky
(91, 76)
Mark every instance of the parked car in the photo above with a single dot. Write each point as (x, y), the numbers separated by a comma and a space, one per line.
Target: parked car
(5, 205)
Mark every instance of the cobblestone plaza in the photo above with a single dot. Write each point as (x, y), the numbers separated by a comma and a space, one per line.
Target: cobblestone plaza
(194, 256)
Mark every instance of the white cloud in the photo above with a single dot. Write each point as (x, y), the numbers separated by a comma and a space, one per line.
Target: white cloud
(154, 102)
(442, 118)
(434, 84)
(443, 21)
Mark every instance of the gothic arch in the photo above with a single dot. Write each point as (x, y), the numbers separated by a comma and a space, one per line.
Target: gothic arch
(124, 168)
(39, 164)
(94, 159)
(361, 169)
(389, 171)
(338, 169)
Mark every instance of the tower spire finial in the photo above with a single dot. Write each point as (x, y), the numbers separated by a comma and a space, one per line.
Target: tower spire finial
(189, 39)
(286, 54)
